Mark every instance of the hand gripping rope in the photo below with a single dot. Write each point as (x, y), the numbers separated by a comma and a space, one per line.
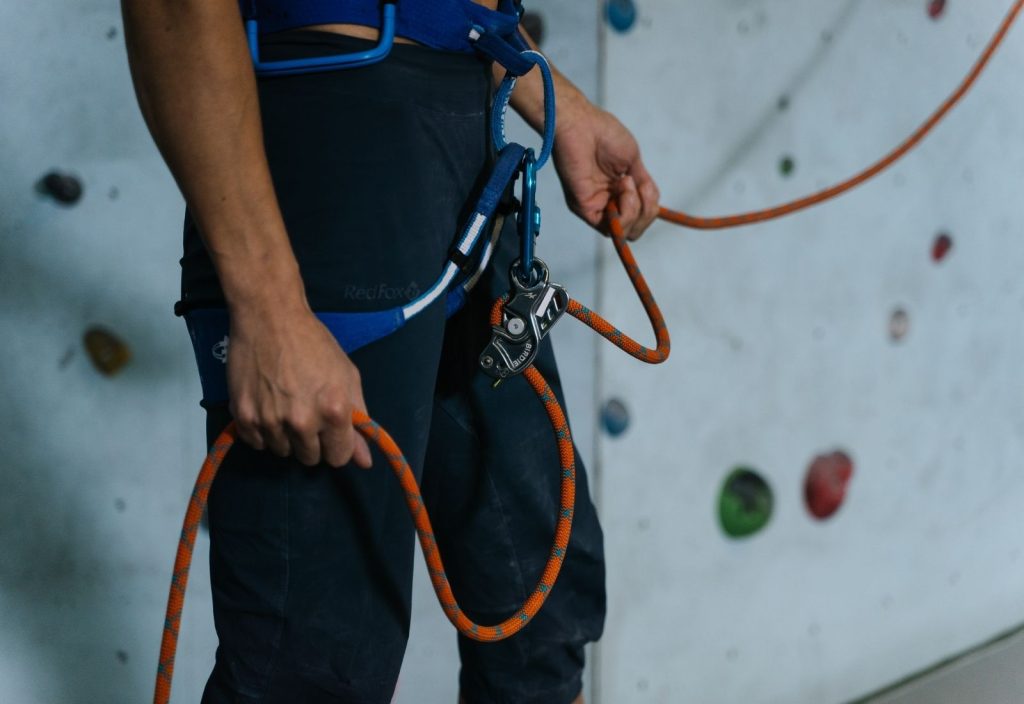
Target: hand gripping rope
(379, 437)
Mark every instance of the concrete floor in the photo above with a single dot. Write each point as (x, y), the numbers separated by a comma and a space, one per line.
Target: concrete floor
(993, 674)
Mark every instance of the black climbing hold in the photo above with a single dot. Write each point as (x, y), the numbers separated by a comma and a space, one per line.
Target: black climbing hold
(64, 188)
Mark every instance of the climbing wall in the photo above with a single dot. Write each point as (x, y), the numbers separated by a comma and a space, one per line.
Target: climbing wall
(99, 418)
(819, 493)
(99, 425)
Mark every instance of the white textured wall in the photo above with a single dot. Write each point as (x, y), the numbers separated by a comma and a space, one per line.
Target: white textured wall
(95, 471)
(781, 352)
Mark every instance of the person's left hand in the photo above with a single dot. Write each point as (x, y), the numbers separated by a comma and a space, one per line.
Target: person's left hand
(598, 161)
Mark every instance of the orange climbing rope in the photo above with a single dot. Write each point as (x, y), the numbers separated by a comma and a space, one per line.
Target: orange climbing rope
(716, 223)
(374, 433)
(379, 437)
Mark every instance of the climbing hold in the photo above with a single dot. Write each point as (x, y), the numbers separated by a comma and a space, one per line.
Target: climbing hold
(786, 165)
(108, 352)
(745, 503)
(940, 248)
(783, 103)
(899, 325)
(621, 14)
(936, 8)
(64, 188)
(615, 417)
(533, 23)
(825, 483)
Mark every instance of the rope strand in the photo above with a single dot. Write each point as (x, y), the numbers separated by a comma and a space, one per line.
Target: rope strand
(755, 216)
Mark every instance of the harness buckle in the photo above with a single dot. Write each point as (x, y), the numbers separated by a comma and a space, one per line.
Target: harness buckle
(529, 314)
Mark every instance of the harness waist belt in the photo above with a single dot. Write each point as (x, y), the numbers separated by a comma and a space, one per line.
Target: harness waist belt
(440, 24)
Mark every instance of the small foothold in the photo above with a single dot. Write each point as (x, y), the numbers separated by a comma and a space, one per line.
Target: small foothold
(940, 248)
(108, 352)
(621, 14)
(899, 325)
(615, 417)
(783, 103)
(533, 23)
(745, 503)
(112, 33)
(120, 505)
(69, 354)
(122, 657)
(936, 8)
(826, 482)
(64, 188)
(113, 193)
(786, 165)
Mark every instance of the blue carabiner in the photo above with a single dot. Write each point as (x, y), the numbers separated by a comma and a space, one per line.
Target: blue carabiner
(324, 63)
(528, 218)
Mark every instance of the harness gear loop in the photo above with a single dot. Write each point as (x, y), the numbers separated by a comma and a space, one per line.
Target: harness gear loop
(324, 63)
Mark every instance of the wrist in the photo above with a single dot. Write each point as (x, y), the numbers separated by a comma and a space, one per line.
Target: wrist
(264, 286)
(573, 108)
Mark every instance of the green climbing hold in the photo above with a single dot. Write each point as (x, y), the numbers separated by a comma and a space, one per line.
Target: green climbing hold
(786, 165)
(745, 504)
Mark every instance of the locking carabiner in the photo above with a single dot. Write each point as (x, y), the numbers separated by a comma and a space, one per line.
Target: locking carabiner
(528, 218)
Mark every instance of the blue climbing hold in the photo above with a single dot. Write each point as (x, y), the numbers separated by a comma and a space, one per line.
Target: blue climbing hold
(615, 417)
(621, 14)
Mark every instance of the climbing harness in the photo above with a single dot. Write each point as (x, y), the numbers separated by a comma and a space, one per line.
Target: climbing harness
(519, 321)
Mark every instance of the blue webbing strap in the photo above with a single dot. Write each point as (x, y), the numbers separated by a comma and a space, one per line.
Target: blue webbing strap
(504, 95)
(208, 327)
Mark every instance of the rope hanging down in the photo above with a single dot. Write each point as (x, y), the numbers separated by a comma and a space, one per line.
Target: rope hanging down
(414, 500)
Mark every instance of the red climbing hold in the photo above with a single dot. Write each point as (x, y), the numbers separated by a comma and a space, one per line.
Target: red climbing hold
(825, 485)
(940, 248)
(936, 8)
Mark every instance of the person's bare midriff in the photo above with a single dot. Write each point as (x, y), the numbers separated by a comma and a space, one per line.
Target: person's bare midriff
(358, 30)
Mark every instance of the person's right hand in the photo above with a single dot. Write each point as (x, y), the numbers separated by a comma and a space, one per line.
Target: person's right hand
(293, 388)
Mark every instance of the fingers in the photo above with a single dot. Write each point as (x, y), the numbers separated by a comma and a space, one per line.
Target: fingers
(637, 198)
(302, 432)
(339, 440)
(650, 199)
(360, 449)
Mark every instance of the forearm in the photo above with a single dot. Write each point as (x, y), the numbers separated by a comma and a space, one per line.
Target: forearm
(528, 97)
(197, 91)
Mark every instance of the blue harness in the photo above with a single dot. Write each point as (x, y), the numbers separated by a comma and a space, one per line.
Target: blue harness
(499, 41)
